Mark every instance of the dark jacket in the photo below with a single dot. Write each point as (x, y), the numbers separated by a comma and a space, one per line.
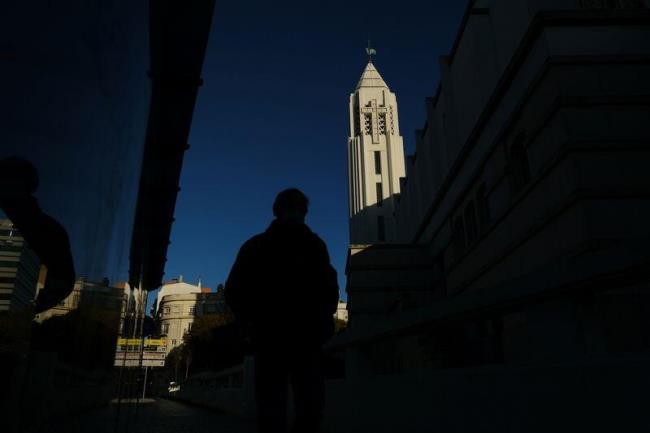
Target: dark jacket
(283, 288)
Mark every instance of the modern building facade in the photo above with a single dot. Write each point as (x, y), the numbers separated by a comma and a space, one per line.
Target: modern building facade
(98, 99)
(19, 269)
(375, 159)
(105, 123)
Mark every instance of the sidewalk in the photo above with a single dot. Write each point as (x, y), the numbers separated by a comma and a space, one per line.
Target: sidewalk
(159, 416)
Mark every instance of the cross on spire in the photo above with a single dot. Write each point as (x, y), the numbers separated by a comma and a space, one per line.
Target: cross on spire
(370, 51)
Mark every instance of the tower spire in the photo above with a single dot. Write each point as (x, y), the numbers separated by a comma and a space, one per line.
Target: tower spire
(375, 158)
(370, 51)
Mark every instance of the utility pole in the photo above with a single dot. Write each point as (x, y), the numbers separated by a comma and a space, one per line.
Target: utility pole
(144, 385)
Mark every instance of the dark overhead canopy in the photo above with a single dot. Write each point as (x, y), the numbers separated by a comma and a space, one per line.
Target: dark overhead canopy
(179, 33)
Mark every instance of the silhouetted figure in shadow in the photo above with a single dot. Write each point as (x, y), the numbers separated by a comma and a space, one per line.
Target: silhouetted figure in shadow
(284, 294)
(46, 236)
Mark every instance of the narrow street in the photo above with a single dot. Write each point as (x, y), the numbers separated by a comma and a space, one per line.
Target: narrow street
(158, 416)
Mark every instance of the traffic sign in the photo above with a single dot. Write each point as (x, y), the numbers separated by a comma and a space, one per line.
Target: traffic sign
(135, 344)
(134, 352)
(136, 355)
(136, 363)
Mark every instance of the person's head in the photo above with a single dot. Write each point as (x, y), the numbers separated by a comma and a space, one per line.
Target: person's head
(18, 177)
(291, 205)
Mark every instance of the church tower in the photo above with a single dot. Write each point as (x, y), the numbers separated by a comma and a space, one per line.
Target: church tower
(375, 159)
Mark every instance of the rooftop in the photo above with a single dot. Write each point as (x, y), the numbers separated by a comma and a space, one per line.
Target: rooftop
(371, 78)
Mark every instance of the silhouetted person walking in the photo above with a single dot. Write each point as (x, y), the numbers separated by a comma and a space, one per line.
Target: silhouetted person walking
(284, 293)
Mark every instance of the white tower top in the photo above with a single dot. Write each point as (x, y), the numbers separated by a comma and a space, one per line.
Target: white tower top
(371, 78)
(375, 158)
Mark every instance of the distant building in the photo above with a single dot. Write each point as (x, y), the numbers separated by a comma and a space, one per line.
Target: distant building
(91, 295)
(342, 311)
(178, 304)
(19, 269)
(175, 286)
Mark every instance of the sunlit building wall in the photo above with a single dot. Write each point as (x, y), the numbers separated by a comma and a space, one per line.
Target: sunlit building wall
(341, 311)
(92, 296)
(177, 313)
(375, 159)
(175, 286)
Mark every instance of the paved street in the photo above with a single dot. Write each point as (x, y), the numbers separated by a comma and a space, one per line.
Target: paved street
(161, 416)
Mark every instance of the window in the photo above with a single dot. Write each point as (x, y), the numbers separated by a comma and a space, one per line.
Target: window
(173, 342)
(377, 162)
(381, 229)
(367, 123)
(166, 310)
(381, 123)
(192, 310)
(189, 327)
(380, 195)
(482, 208)
(165, 328)
(471, 230)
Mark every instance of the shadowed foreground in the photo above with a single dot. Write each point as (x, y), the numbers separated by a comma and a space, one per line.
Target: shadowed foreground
(161, 416)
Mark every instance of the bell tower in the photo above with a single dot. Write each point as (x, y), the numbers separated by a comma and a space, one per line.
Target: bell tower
(375, 158)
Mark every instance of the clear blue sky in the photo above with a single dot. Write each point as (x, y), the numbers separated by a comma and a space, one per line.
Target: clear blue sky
(273, 113)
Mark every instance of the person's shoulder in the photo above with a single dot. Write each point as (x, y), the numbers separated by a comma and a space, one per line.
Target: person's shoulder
(316, 240)
(253, 243)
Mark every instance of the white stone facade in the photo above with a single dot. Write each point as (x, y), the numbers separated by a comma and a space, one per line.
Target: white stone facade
(375, 159)
(342, 311)
(177, 312)
(528, 181)
(175, 287)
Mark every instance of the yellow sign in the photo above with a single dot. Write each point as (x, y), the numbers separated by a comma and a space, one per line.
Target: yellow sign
(137, 341)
